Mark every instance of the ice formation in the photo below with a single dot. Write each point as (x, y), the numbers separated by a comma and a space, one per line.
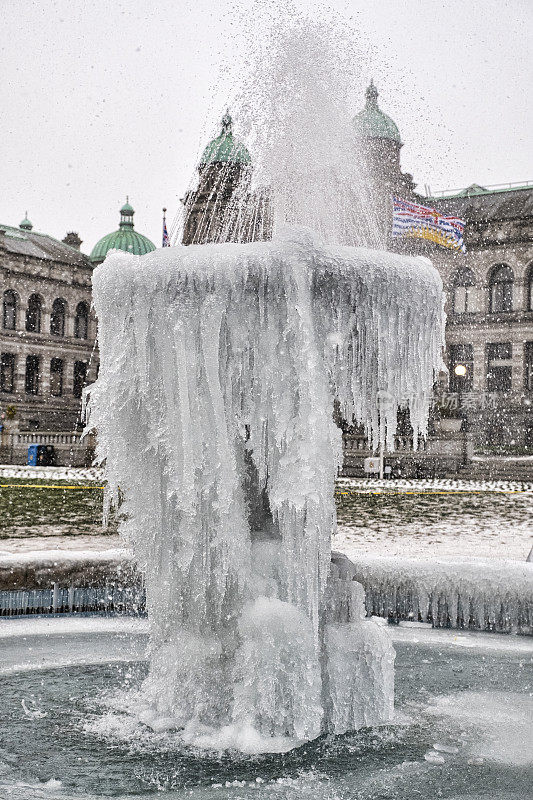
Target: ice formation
(476, 593)
(219, 368)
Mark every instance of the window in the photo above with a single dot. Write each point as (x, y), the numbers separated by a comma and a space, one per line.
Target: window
(10, 310)
(32, 375)
(7, 373)
(499, 372)
(81, 321)
(33, 314)
(463, 293)
(529, 366)
(56, 377)
(80, 377)
(501, 289)
(529, 289)
(461, 354)
(57, 318)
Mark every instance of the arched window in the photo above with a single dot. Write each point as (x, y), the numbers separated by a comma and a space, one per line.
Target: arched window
(529, 289)
(33, 314)
(501, 289)
(81, 321)
(10, 310)
(463, 295)
(57, 318)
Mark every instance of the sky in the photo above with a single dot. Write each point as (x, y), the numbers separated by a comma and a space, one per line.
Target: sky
(101, 99)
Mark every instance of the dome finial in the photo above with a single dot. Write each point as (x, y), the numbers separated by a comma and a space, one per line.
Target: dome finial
(225, 148)
(26, 225)
(227, 123)
(371, 95)
(126, 215)
(372, 122)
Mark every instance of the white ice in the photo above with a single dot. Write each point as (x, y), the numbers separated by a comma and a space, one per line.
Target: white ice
(214, 411)
(477, 593)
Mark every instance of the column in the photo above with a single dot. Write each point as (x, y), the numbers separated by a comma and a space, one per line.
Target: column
(480, 367)
(44, 375)
(518, 367)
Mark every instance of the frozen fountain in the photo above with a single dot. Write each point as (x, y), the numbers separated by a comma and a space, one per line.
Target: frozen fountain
(214, 411)
(220, 365)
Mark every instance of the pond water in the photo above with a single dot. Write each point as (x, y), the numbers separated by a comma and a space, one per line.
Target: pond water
(463, 726)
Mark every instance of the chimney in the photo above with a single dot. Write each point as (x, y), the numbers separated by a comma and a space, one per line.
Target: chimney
(73, 240)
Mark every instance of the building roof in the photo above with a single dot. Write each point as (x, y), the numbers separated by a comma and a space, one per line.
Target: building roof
(480, 204)
(126, 238)
(27, 242)
(372, 123)
(225, 148)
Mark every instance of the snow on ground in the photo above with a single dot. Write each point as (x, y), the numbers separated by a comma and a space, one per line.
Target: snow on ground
(49, 544)
(427, 519)
(48, 558)
(434, 541)
(406, 632)
(496, 459)
(433, 484)
(51, 473)
(434, 519)
(60, 625)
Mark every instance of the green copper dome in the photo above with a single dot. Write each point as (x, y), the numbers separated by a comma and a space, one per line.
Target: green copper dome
(126, 238)
(225, 148)
(372, 123)
(26, 225)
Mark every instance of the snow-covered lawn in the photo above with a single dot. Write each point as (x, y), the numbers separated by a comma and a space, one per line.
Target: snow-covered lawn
(51, 473)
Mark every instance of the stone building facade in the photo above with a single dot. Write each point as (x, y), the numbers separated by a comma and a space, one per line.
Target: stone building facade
(490, 314)
(48, 330)
(47, 333)
(48, 336)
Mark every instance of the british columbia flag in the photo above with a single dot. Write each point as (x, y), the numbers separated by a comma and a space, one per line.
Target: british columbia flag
(423, 222)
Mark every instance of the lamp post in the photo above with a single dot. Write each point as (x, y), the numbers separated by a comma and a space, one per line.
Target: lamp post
(460, 372)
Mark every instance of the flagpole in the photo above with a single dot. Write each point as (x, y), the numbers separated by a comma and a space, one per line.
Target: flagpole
(164, 242)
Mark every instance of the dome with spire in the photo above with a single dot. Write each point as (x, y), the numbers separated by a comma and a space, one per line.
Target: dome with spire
(225, 148)
(26, 225)
(126, 238)
(372, 123)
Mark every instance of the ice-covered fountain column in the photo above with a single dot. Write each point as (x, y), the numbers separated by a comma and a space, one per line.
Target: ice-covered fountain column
(219, 365)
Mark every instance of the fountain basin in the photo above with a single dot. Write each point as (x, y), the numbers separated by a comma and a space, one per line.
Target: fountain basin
(460, 730)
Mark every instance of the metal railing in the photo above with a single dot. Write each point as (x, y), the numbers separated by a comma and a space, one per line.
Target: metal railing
(443, 193)
(47, 437)
(359, 443)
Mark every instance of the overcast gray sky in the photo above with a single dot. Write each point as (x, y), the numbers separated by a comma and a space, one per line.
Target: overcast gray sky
(102, 99)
